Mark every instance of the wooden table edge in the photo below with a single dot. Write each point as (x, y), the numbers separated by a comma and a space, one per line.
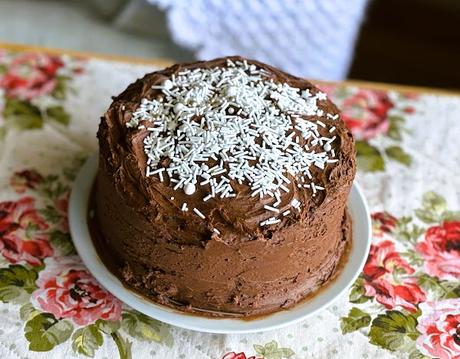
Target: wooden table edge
(160, 62)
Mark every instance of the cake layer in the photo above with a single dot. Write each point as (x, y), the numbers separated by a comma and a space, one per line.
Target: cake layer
(228, 261)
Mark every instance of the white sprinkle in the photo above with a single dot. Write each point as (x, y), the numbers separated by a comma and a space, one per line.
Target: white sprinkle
(197, 211)
(306, 93)
(208, 197)
(270, 208)
(216, 230)
(284, 188)
(278, 199)
(285, 213)
(321, 96)
(167, 84)
(159, 170)
(232, 91)
(327, 147)
(172, 198)
(178, 107)
(184, 207)
(321, 123)
(189, 189)
(271, 220)
(332, 129)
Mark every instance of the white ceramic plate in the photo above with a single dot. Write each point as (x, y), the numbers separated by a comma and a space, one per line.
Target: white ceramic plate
(80, 233)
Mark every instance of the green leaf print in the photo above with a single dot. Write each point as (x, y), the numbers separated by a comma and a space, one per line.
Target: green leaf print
(62, 243)
(394, 331)
(44, 332)
(394, 131)
(27, 312)
(398, 154)
(123, 345)
(87, 340)
(51, 214)
(405, 231)
(59, 91)
(369, 157)
(433, 208)
(451, 216)
(145, 328)
(52, 188)
(412, 257)
(108, 327)
(356, 319)
(272, 351)
(22, 114)
(357, 292)
(16, 283)
(58, 114)
(439, 289)
(111, 328)
(70, 172)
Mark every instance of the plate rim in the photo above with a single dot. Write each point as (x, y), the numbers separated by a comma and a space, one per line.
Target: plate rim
(78, 224)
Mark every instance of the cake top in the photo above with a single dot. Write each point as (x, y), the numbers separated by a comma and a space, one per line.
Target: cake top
(232, 148)
(217, 126)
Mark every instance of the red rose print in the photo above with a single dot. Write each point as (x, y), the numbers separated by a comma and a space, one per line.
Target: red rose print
(67, 290)
(233, 355)
(23, 235)
(441, 250)
(30, 75)
(365, 112)
(439, 326)
(409, 110)
(386, 278)
(383, 222)
(28, 179)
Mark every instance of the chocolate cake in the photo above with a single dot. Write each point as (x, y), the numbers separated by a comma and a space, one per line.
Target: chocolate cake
(222, 187)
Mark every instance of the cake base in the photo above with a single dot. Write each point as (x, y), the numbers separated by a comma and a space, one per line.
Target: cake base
(117, 268)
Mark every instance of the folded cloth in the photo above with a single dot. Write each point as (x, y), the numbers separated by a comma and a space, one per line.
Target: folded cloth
(313, 39)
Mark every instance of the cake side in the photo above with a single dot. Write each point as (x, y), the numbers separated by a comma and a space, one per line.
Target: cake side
(176, 256)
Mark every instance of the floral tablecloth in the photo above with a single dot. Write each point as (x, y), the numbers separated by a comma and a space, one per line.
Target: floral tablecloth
(405, 304)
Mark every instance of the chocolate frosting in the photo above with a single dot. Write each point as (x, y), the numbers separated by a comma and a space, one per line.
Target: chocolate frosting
(175, 257)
